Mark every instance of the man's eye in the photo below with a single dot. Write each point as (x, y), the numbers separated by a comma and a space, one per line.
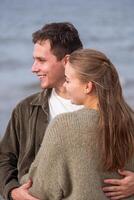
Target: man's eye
(42, 60)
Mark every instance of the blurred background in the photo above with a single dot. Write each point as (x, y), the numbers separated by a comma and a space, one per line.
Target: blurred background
(102, 24)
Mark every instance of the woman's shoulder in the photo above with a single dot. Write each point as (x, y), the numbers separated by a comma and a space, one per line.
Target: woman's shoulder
(75, 118)
(67, 127)
(80, 114)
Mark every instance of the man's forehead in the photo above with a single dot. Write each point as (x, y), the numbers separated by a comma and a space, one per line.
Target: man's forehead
(42, 48)
(43, 44)
(38, 46)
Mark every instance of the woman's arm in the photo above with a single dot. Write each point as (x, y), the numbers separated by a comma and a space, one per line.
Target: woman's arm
(45, 170)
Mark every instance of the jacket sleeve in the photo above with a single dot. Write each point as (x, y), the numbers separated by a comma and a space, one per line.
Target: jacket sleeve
(45, 170)
(9, 150)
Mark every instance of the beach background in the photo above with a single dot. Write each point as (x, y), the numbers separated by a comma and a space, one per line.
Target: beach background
(103, 24)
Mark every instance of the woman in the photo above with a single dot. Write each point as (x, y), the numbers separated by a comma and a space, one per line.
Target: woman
(82, 148)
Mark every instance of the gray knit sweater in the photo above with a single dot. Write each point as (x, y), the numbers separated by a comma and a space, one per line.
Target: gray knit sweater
(68, 165)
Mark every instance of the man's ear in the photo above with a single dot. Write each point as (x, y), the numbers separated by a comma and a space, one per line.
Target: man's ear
(65, 59)
(88, 88)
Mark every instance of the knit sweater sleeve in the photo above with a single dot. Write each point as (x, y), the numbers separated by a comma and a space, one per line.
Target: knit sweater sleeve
(45, 170)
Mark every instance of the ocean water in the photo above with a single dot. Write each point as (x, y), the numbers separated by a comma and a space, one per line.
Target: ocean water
(105, 25)
(102, 24)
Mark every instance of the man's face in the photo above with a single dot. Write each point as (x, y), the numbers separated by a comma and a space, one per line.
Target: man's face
(46, 66)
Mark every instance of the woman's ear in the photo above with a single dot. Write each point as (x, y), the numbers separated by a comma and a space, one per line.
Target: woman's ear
(88, 87)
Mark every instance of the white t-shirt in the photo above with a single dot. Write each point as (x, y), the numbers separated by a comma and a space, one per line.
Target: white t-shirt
(58, 104)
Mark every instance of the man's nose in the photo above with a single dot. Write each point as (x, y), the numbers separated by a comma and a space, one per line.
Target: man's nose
(35, 67)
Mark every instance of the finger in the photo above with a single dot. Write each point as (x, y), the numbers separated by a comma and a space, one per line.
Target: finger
(124, 172)
(27, 185)
(113, 181)
(30, 197)
(113, 194)
(111, 189)
(33, 198)
(118, 197)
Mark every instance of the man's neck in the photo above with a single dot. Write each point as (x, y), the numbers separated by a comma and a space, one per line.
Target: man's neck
(62, 92)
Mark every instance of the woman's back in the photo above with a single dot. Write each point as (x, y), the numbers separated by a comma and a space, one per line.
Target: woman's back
(68, 165)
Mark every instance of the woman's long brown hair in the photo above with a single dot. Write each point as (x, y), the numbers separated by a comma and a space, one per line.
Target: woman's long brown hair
(116, 117)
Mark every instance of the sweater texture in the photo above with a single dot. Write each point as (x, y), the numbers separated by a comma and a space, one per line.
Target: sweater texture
(68, 164)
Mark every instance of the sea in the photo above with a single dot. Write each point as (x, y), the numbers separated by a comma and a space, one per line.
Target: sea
(102, 24)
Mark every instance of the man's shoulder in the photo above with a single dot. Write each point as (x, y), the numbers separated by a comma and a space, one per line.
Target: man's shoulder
(32, 100)
(25, 104)
(29, 99)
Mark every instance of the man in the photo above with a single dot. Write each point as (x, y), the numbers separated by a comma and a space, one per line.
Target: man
(26, 128)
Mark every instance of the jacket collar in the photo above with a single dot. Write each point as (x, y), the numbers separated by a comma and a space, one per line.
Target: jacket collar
(42, 98)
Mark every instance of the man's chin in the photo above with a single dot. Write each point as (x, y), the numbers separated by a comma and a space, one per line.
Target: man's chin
(45, 86)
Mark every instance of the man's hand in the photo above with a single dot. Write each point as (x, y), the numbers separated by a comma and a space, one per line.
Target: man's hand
(22, 192)
(120, 188)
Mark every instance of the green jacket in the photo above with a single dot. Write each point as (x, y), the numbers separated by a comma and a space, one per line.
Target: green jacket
(22, 140)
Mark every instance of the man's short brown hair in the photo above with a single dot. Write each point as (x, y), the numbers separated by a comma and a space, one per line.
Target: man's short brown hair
(63, 37)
